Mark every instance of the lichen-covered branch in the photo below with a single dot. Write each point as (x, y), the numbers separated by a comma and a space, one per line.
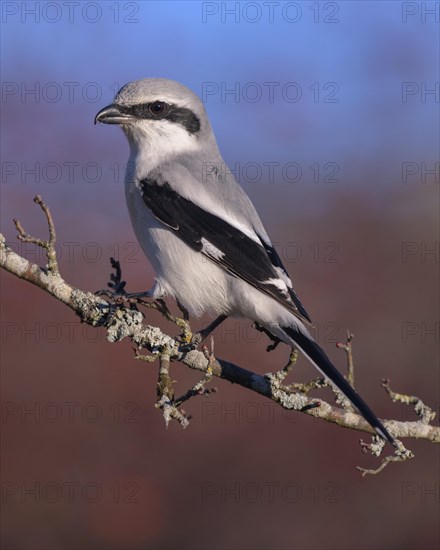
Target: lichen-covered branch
(426, 414)
(125, 323)
(128, 322)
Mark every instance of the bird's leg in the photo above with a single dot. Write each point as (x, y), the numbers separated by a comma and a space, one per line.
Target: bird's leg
(183, 310)
(146, 294)
(199, 336)
(275, 340)
(154, 292)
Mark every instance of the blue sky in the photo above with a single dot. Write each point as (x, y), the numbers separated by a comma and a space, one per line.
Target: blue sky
(365, 48)
(337, 70)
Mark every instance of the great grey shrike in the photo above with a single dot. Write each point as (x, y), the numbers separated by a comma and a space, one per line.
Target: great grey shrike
(198, 227)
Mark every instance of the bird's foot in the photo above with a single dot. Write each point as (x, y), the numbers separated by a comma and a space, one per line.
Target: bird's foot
(187, 336)
(199, 336)
(190, 340)
(197, 339)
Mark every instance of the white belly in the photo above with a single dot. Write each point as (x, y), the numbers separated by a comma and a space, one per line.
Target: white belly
(198, 284)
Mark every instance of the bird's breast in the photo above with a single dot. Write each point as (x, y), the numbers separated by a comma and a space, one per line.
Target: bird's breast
(198, 283)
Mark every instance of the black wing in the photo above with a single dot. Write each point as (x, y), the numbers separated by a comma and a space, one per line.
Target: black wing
(221, 242)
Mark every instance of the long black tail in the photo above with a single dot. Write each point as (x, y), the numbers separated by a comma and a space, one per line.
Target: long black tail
(318, 357)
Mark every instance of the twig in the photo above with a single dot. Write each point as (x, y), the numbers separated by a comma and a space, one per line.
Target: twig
(197, 390)
(307, 387)
(400, 455)
(347, 347)
(165, 393)
(48, 246)
(426, 414)
(293, 357)
(182, 323)
(339, 396)
(144, 357)
(278, 377)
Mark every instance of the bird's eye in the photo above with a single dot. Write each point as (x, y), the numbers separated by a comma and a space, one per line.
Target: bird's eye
(158, 107)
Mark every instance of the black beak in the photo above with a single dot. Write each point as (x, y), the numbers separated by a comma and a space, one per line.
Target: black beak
(112, 114)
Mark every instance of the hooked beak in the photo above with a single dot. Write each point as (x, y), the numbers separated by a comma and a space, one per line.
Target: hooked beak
(112, 114)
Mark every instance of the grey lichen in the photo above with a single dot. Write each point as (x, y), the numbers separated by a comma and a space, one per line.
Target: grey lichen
(122, 323)
(294, 401)
(154, 339)
(425, 413)
(400, 455)
(375, 447)
(90, 308)
(170, 411)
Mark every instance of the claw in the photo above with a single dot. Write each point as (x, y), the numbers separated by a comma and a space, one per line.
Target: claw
(187, 335)
(196, 339)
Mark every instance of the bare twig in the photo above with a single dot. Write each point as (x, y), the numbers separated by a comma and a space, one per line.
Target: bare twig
(339, 396)
(196, 390)
(347, 347)
(48, 246)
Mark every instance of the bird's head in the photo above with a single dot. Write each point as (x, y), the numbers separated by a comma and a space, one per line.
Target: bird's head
(161, 118)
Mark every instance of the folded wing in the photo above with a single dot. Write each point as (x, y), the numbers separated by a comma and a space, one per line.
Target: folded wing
(252, 259)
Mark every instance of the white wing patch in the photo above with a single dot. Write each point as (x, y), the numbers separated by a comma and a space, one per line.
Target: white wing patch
(284, 276)
(278, 283)
(211, 250)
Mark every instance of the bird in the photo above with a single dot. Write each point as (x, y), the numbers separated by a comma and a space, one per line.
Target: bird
(200, 230)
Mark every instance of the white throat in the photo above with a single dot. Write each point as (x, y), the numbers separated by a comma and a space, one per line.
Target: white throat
(154, 142)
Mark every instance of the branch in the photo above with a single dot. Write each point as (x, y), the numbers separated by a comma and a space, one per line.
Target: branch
(348, 348)
(426, 414)
(128, 322)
